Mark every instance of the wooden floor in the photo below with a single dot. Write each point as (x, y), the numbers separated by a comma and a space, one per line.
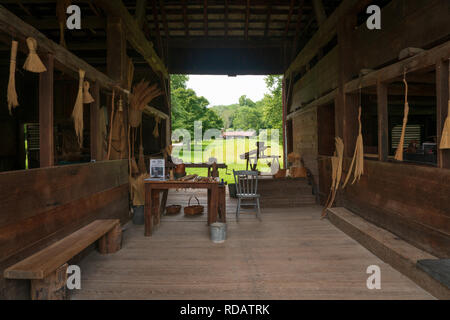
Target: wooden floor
(291, 254)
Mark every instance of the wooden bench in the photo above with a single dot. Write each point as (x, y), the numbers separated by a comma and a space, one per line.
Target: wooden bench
(47, 269)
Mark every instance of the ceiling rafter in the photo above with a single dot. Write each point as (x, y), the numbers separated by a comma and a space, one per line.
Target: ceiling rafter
(269, 12)
(185, 19)
(205, 17)
(297, 28)
(247, 18)
(288, 22)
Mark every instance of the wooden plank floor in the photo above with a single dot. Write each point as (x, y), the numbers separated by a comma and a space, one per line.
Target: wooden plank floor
(291, 254)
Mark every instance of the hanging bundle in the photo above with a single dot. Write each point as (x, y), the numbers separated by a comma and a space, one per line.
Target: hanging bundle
(399, 151)
(134, 170)
(120, 137)
(156, 129)
(336, 176)
(141, 160)
(358, 157)
(130, 73)
(111, 126)
(445, 136)
(142, 94)
(12, 94)
(87, 97)
(61, 7)
(33, 62)
(77, 113)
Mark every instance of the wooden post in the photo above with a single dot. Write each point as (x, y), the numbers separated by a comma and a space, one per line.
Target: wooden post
(112, 241)
(96, 143)
(52, 287)
(383, 121)
(442, 95)
(46, 139)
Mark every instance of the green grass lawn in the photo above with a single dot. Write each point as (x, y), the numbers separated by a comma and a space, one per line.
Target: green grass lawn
(226, 151)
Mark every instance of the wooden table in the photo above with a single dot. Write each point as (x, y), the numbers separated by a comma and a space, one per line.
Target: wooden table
(216, 200)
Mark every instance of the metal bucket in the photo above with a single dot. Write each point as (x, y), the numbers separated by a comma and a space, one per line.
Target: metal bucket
(218, 232)
(138, 215)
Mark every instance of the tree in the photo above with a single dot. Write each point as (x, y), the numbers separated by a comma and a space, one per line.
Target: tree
(246, 102)
(247, 118)
(273, 103)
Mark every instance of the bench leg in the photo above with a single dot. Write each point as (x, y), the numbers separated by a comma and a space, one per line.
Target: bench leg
(53, 287)
(112, 241)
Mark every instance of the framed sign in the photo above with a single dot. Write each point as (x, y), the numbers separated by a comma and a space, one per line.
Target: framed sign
(157, 169)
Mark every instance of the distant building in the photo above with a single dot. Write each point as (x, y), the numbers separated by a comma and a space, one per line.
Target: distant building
(238, 134)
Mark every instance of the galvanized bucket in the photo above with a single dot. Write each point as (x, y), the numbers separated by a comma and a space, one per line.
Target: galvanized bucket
(218, 231)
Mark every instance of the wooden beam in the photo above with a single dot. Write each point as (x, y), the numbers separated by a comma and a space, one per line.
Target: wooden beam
(325, 33)
(288, 22)
(269, 13)
(297, 28)
(442, 95)
(116, 59)
(325, 99)
(140, 14)
(319, 12)
(247, 17)
(420, 61)
(158, 31)
(20, 30)
(226, 18)
(185, 19)
(383, 121)
(205, 17)
(46, 140)
(135, 35)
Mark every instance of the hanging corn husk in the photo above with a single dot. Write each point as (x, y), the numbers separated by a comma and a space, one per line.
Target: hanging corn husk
(77, 113)
(336, 174)
(358, 157)
(119, 135)
(12, 94)
(142, 95)
(141, 160)
(33, 62)
(138, 189)
(399, 151)
(130, 73)
(156, 129)
(111, 125)
(61, 7)
(132, 160)
(445, 136)
(87, 97)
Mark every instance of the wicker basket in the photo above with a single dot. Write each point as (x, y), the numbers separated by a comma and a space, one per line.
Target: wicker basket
(194, 209)
(173, 209)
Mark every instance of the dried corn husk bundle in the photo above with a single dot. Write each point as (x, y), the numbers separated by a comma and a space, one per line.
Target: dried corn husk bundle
(399, 151)
(61, 8)
(156, 129)
(142, 94)
(358, 157)
(77, 113)
(141, 160)
(87, 97)
(445, 137)
(336, 176)
(12, 94)
(111, 125)
(138, 189)
(33, 62)
(130, 73)
(119, 135)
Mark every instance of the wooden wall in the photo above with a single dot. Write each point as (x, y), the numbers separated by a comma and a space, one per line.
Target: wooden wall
(409, 200)
(40, 206)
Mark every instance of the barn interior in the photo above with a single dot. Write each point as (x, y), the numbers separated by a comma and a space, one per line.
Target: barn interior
(51, 184)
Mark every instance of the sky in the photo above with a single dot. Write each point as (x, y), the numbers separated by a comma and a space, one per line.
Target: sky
(224, 90)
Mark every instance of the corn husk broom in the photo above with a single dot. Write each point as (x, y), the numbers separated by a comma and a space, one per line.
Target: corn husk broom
(445, 136)
(357, 164)
(141, 160)
(156, 129)
(399, 152)
(336, 174)
(12, 94)
(77, 113)
(87, 97)
(61, 8)
(33, 63)
(142, 94)
(111, 124)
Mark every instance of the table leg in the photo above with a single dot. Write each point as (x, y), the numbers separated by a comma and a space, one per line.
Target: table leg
(209, 206)
(148, 211)
(212, 215)
(163, 202)
(222, 205)
(155, 206)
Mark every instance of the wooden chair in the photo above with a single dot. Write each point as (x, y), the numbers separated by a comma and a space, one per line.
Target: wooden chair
(247, 189)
